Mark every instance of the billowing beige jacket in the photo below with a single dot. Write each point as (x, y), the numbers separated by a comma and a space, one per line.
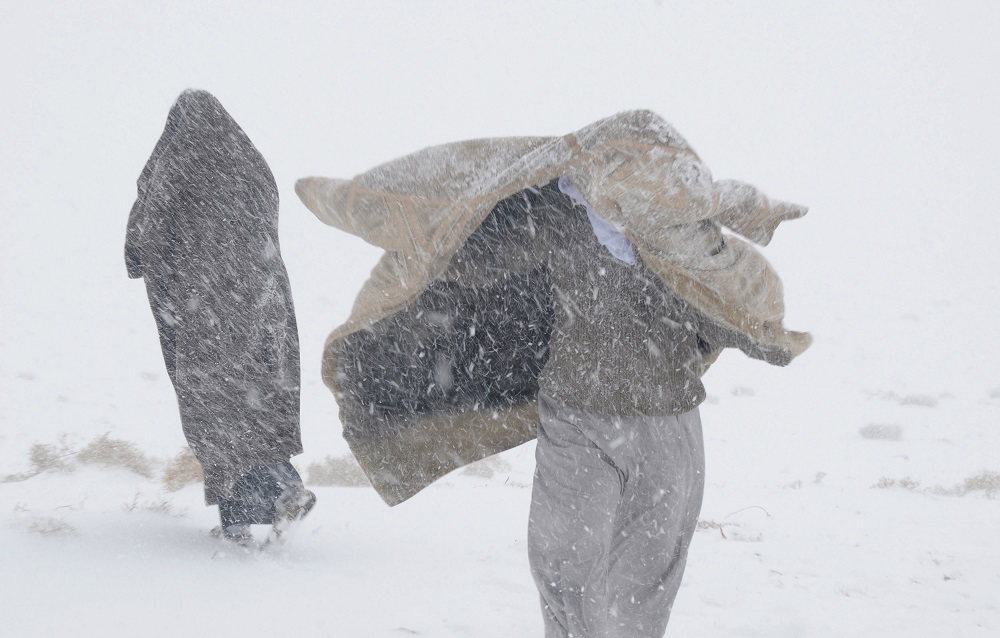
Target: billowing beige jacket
(633, 168)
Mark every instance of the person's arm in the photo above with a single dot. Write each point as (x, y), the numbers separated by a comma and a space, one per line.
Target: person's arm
(133, 251)
(713, 337)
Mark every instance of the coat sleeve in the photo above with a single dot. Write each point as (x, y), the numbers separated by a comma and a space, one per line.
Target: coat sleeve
(133, 252)
(153, 182)
(714, 336)
(148, 235)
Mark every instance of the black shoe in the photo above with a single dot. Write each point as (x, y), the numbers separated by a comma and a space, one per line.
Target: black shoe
(255, 497)
(292, 506)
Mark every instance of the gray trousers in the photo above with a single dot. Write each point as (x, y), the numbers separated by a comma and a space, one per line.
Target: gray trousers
(614, 505)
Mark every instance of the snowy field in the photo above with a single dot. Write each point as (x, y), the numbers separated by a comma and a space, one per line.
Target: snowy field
(856, 492)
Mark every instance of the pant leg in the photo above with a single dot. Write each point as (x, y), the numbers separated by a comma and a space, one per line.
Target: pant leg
(573, 504)
(663, 458)
(614, 507)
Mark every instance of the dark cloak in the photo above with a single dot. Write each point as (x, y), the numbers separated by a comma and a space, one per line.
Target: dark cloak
(203, 234)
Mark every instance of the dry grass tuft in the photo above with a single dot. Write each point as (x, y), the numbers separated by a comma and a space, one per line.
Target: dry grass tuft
(103, 451)
(922, 400)
(342, 471)
(50, 527)
(158, 505)
(182, 470)
(881, 432)
(986, 481)
(116, 453)
(51, 457)
(488, 467)
(46, 457)
(905, 483)
(703, 524)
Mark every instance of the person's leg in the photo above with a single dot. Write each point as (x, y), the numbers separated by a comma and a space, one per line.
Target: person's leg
(664, 461)
(574, 498)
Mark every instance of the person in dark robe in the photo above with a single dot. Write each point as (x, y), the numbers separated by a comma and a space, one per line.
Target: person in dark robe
(203, 234)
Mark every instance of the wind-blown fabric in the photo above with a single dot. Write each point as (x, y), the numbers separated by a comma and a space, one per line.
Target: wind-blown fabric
(203, 234)
(635, 171)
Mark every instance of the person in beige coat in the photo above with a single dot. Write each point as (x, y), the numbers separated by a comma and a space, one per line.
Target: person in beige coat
(571, 289)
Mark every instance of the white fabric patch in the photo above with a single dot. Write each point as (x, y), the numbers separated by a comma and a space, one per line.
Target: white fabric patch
(606, 232)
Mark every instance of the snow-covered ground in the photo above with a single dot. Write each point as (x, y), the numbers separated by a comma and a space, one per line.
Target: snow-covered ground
(854, 492)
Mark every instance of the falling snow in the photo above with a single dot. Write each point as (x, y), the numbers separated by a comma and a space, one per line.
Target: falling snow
(852, 492)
